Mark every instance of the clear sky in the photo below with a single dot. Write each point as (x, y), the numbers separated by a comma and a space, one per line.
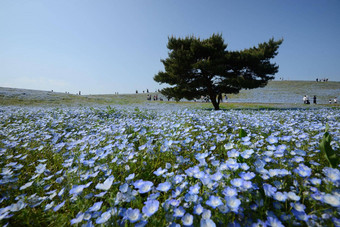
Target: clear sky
(108, 46)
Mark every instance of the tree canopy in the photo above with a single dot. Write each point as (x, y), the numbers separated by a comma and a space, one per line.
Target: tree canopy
(196, 68)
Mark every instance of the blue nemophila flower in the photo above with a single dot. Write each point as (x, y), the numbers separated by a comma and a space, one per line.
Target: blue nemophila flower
(229, 192)
(206, 214)
(198, 209)
(247, 153)
(207, 223)
(216, 176)
(298, 206)
(191, 198)
(233, 203)
(176, 192)
(279, 196)
(178, 179)
(229, 146)
(237, 182)
(278, 172)
(214, 201)
(49, 206)
(293, 196)
(232, 164)
(298, 152)
(286, 138)
(106, 185)
(59, 180)
(199, 175)
(244, 166)
(179, 212)
(247, 175)
(167, 165)
(336, 221)
(303, 170)
(124, 188)
(138, 183)
(192, 170)
(174, 202)
(145, 187)
(233, 153)
(333, 175)
(56, 208)
(104, 217)
(315, 181)
(269, 190)
(298, 159)
(164, 187)
(303, 136)
(272, 139)
(18, 206)
(333, 200)
(29, 184)
(153, 196)
(96, 206)
(77, 189)
(79, 218)
(151, 207)
(39, 169)
(6, 172)
(51, 192)
(274, 221)
(272, 148)
(100, 195)
(133, 215)
(194, 189)
(187, 219)
(281, 147)
(130, 177)
(160, 171)
(300, 215)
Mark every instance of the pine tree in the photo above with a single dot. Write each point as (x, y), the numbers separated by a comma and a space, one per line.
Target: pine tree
(196, 68)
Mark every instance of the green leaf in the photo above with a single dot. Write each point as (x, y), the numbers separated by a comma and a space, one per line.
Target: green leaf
(329, 153)
(242, 133)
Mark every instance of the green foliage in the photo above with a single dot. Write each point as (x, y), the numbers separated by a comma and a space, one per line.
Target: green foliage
(325, 146)
(242, 133)
(198, 68)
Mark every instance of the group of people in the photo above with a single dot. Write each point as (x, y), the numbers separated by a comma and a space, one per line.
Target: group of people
(306, 100)
(155, 98)
(334, 100)
(321, 80)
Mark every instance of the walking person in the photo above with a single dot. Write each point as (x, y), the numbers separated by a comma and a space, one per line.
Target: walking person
(335, 100)
(314, 99)
(304, 99)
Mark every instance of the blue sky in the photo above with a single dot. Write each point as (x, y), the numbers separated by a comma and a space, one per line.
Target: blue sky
(108, 46)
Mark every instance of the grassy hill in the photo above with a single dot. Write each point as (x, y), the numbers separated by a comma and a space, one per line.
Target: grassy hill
(290, 92)
(276, 93)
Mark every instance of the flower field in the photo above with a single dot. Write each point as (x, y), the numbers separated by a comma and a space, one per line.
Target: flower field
(116, 167)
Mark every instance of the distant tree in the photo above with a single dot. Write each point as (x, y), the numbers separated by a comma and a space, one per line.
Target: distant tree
(196, 68)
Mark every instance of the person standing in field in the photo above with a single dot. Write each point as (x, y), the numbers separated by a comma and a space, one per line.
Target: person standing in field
(304, 99)
(314, 99)
(335, 100)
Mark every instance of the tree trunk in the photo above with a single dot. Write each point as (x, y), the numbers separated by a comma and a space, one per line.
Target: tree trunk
(213, 101)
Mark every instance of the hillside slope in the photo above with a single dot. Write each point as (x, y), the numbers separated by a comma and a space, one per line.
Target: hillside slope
(288, 92)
